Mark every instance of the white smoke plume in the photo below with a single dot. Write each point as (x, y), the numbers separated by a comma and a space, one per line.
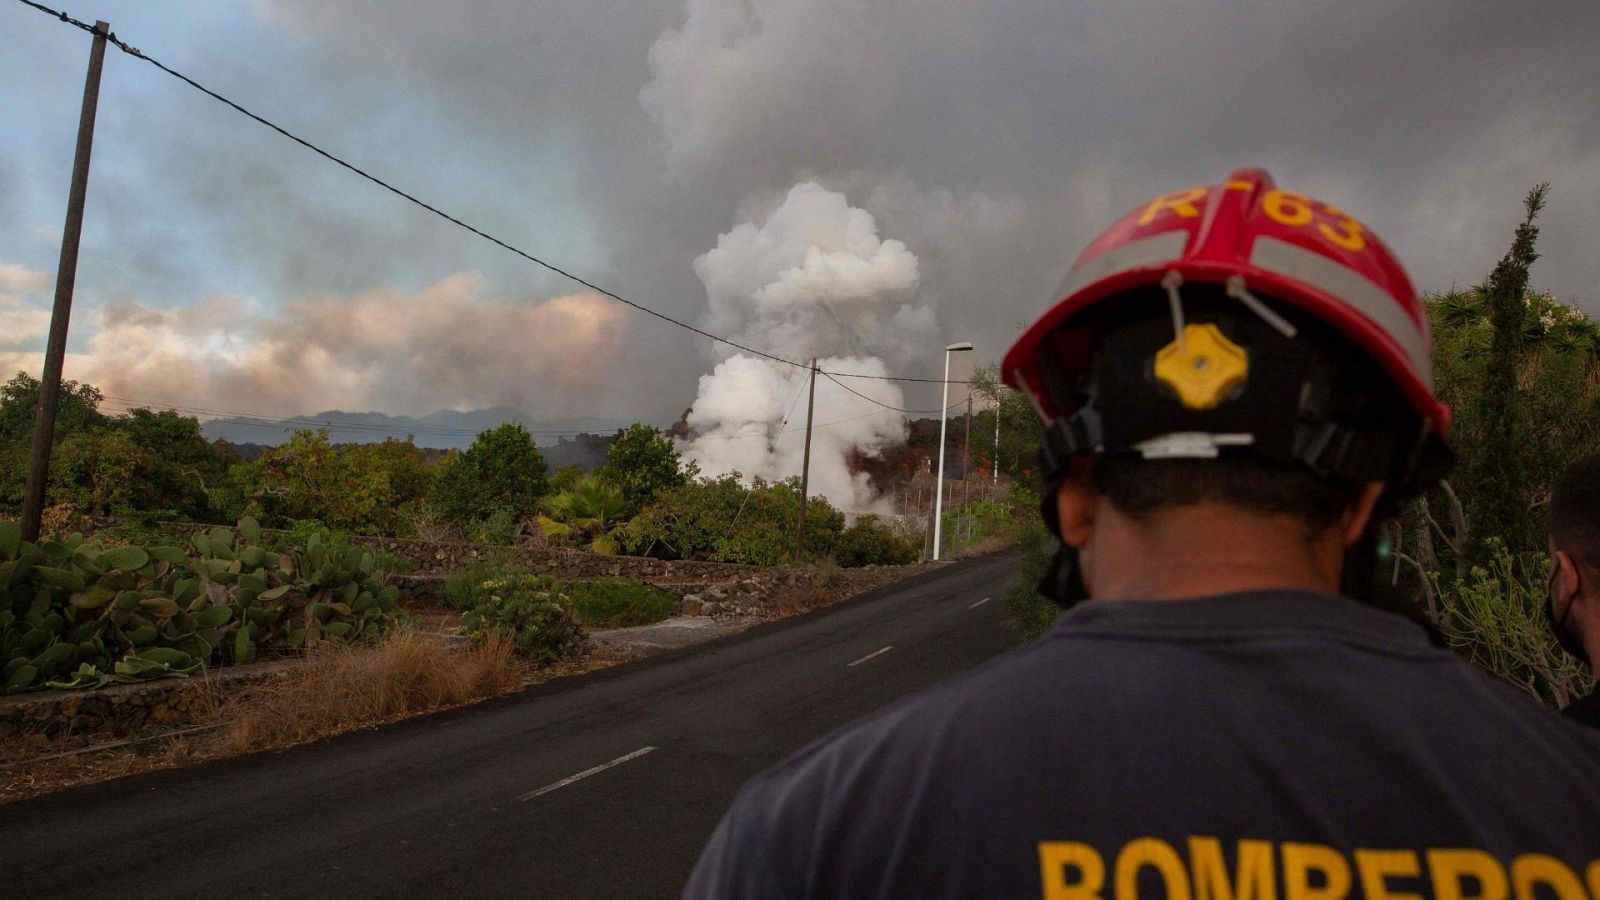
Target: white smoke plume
(814, 279)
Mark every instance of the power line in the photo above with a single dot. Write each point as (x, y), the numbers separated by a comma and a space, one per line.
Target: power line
(914, 412)
(137, 53)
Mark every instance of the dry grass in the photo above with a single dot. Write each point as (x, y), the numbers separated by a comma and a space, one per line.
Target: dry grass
(344, 688)
(994, 543)
(338, 690)
(818, 584)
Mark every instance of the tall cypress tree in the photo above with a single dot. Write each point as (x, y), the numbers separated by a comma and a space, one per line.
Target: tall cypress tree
(1502, 477)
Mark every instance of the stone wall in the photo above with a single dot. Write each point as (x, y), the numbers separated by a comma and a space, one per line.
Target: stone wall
(124, 710)
(431, 558)
(443, 558)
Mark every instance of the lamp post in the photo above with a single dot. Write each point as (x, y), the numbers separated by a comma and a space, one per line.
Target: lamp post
(995, 463)
(938, 496)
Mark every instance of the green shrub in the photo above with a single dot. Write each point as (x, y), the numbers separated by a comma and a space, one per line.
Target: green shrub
(503, 469)
(586, 514)
(464, 588)
(1495, 617)
(642, 462)
(621, 603)
(978, 522)
(1032, 612)
(363, 488)
(529, 609)
(721, 519)
(870, 542)
(500, 526)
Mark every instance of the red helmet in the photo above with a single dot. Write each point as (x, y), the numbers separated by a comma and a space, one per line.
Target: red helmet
(1249, 235)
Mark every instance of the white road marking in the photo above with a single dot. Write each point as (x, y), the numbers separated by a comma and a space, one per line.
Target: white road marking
(585, 774)
(979, 603)
(871, 655)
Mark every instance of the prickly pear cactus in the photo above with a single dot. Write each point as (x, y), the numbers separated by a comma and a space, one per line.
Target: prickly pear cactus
(74, 614)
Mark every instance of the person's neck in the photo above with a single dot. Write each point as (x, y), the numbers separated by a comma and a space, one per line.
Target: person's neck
(1205, 550)
(1589, 634)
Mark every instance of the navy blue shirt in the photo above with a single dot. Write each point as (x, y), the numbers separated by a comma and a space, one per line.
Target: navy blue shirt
(1250, 746)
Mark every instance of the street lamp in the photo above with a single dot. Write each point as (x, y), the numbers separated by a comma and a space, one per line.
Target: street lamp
(938, 497)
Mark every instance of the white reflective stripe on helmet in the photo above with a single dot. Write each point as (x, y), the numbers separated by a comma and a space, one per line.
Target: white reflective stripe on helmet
(1191, 445)
(1355, 289)
(1165, 247)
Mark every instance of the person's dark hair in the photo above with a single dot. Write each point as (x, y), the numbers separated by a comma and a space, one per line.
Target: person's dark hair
(1139, 488)
(1575, 511)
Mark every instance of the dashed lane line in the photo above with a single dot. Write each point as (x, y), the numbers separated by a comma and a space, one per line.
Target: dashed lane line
(585, 774)
(871, 655)
(979, 603)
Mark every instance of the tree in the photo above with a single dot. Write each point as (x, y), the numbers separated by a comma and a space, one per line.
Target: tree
(1019, 429)
(503, 469)
(99, 471)
(1498, 469)
(1556, 403)
(588, 511)
(19, 401)
(402, 465)
(722, 519)
(184, 468)
(643, 462)
(365, 488)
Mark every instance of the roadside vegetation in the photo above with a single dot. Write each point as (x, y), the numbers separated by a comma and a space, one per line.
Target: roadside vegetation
(78, 614)
(147, 469)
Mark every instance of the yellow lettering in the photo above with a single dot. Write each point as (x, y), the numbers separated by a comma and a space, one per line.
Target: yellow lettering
(1348, 233)
(1531, 869)
(1239, 185)
(1252, 871)
(1179, 202)
(1300, 860)
(1593, 877)
(1376, 867)
(1447, 868)
(1285, 208)
(1158, 854)
(1054, 859)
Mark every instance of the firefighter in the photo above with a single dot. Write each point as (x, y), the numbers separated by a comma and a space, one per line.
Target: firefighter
(1235, 386)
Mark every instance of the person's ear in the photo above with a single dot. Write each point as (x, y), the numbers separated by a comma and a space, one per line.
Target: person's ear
(1565, 582)
(1359, 515)
(1076, 501)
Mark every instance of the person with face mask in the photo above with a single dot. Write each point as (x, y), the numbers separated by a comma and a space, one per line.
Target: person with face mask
(1574, 606)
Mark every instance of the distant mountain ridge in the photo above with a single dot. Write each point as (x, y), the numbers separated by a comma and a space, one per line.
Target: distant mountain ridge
(445, 430)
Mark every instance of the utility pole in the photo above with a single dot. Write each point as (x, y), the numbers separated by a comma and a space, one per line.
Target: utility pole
(44, 422)
(805, 467)
(995, 465)
(944, 415)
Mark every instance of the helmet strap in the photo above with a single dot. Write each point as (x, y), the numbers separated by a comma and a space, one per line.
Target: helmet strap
(1170, 283)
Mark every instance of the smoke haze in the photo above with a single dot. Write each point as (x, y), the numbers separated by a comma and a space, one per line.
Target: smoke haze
(447, 346)
(987, 142)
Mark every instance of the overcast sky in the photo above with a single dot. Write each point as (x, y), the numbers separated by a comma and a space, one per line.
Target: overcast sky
(225, 267)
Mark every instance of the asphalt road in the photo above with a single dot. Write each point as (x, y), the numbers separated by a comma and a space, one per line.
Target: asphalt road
(480, 802)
